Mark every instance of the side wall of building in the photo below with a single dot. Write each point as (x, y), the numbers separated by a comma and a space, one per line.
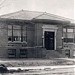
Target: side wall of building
(3, 40)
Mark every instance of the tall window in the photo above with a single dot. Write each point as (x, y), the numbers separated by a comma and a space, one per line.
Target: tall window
(68, 35)
(24, 33)
(9, 33)
(16, 33)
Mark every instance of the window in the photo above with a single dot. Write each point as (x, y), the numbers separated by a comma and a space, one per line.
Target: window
(24, 33)
(68, 40)
(23, 53)
(69, 30)
(64, 32)
(9, 33)
(9, 38)
(11, 53)
(64, 29)
(16, 34)
(9, 30)
(68, 35)
(24, 38)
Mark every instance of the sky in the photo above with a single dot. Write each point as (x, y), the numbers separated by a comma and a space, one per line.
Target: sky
(64, 8)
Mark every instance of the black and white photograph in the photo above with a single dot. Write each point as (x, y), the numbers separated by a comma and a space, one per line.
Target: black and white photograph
(37, 37)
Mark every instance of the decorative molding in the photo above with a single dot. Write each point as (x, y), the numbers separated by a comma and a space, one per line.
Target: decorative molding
(52, 27)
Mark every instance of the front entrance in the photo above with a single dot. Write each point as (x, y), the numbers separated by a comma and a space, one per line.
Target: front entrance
(49, 40)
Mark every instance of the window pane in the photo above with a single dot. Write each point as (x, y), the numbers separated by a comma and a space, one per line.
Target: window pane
(17, 38)
(16, 27)
(9, 38)
(70, 35)
(68, 40)
(69, 30)
(24, 30)
(17, 33)
(9, 30)
(24, 38)
(64, 35)
(9, 26)
(64, 29)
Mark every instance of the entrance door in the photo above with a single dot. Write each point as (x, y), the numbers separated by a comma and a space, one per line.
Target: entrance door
(49, 40)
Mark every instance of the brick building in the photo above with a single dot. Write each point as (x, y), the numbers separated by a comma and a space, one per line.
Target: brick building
(31, 34)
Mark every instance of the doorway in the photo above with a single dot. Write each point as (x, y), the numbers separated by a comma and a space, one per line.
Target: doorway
(49, 40)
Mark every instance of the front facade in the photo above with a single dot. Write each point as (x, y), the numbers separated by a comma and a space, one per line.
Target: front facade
(26, 34)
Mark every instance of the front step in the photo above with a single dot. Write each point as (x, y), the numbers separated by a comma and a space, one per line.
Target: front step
(53, 54)
(43, 53)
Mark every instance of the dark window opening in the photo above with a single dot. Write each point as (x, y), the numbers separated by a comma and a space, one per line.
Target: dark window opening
(68, 40)
(11, 53)
(23, 53)
(16, 38)
(10, 38)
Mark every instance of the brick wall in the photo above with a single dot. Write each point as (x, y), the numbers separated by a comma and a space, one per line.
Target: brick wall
(59, 37)
(3, 40)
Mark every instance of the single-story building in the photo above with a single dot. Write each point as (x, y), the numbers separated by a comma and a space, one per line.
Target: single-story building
(32, 34)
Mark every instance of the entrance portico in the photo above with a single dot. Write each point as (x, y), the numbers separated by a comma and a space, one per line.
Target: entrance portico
(49, 35)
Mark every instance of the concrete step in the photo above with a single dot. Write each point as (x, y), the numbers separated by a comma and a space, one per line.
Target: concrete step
(53, 54)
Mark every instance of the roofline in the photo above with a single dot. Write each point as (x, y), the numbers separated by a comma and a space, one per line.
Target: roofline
(21, 10)
(16, 21)
(64, 18)
(33, 21)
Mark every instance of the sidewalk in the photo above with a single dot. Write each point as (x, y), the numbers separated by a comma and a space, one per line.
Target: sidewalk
(37, 62)
(70, 59)
(41, 67)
